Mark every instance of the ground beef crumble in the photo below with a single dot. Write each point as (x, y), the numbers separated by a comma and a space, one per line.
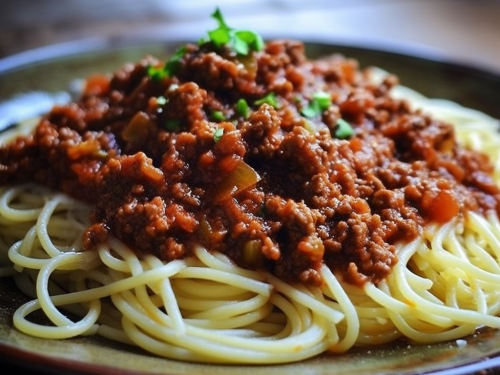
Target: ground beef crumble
(275, 190)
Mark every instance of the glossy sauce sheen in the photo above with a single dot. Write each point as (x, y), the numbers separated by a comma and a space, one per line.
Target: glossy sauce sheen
(272, 190)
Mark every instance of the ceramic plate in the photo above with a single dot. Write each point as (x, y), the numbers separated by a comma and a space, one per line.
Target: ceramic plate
(24, 82)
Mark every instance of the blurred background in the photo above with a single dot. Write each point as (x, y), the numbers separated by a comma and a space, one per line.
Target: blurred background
(465, 31)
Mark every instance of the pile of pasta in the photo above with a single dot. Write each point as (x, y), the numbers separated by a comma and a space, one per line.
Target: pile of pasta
(205, 308)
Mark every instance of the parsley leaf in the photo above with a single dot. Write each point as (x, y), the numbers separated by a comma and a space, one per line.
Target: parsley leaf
(241, 41)
(247, 41)
(173, 64)
(222, 34)
(157, 73)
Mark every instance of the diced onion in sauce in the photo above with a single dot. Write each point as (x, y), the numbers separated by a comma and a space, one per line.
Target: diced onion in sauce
(241, 177)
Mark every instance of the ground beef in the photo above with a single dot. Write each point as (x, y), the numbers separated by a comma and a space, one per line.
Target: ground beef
(171, 162)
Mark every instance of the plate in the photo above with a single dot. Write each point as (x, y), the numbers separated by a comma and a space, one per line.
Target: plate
(32, 81)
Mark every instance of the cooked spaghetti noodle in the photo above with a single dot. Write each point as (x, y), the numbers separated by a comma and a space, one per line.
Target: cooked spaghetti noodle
(237, 268)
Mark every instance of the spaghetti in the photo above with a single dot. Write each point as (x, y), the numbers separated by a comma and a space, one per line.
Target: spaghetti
(237, 274)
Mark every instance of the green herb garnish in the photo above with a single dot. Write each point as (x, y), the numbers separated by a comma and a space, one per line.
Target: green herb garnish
(344, 129)
(218, 134)
(241, 41)
(320, 102)
(161, 100)
(173, 125)
(242, 108)
(157, 73)
(217, 116)
(173, 64)
(268, 99)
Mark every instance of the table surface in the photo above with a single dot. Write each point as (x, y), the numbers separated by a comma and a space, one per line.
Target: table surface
(466, 31)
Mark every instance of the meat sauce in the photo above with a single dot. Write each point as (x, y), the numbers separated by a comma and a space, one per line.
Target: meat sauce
(223, 154)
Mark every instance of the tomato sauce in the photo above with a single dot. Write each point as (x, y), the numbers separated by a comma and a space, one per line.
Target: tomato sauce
(232, 153)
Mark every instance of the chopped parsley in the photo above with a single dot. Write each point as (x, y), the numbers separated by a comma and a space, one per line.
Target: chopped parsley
(343, 130)
(218, 134)
(241, 41)
(173, 64)
(173, 125)
(320, 102)
(242, 108)
(157, 73)
(268, 99)
(161, 100)
(217, 116)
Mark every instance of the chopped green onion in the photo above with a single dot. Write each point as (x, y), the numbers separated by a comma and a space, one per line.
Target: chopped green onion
(173, 125)
(161, 100)
(344, 129)
(241, 41)
(323, 99)
(320, 102)
(218, 134)
(173, 87)
(268, 99)
(309, 112)
(242, 108)
(217, 116)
